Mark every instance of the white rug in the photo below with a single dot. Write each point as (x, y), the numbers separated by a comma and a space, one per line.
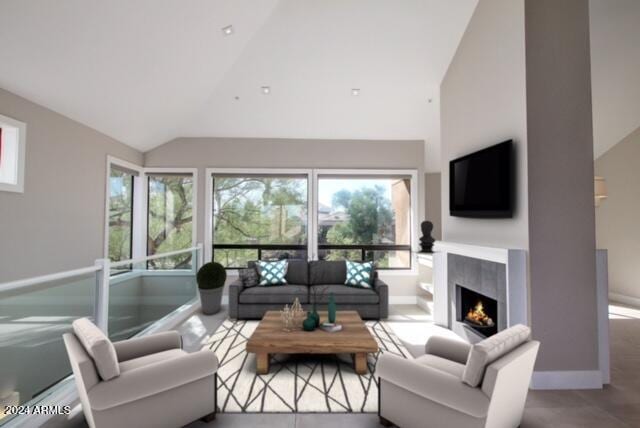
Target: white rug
(295, 383)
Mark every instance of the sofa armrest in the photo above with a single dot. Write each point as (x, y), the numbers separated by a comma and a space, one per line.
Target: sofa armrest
(382, 289)
(432, 384)
(449, 349)
(153, 379)
(141, 346)
(235, 288)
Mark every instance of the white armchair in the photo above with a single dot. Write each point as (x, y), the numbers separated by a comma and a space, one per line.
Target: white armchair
(142, 382)
(459, 385)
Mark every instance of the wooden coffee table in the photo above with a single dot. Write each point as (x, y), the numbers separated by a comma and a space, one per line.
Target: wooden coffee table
(354, 338)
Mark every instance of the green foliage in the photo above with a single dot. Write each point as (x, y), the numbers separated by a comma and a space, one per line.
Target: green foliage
(170, 220)
(120, 215)
(211, 275)
(370, 221)
(258, 210)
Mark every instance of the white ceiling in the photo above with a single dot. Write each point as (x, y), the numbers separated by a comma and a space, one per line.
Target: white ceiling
(615, 70)
(148, 71)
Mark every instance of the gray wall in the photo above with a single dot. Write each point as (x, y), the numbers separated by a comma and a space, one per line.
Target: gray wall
(282, 153)
(560, 163)
(433, 205)
(617, 216)
(539, 94)
(483, 102)
(58, 222)
(205, 153)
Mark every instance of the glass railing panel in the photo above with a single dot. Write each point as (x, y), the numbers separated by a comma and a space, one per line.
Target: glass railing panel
(32, 322)
(150, 291)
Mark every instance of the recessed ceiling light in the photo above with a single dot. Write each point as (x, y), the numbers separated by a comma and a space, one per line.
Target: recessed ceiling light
(266, 90)
(228, 30)
(355, 92)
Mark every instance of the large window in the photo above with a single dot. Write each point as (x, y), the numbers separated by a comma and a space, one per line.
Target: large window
(120, 214)
(359, 215)
(170, 219)
(365, 218)
(259, 217)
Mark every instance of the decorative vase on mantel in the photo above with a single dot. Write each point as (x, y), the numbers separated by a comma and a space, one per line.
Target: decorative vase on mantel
(331, 308)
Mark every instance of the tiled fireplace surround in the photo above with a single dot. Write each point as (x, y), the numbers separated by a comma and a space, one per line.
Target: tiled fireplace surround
(482, 276)
(497, 273)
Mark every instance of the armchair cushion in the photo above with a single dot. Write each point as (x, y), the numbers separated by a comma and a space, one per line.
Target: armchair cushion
(450, 349)
(99, 348)
(141, 346)
(442, 364)
(160, 376)
(146, 360)
(489, 350)
(433, 384)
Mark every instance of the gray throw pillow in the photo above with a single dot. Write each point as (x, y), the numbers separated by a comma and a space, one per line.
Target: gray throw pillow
(249, 277)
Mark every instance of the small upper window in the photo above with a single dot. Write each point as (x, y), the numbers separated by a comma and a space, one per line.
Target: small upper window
(12, 142)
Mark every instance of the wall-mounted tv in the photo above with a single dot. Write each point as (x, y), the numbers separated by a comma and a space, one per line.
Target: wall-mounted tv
(481, 183)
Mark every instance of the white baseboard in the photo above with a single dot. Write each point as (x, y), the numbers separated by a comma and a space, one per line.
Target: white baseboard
(574, 379)
(627, 300)
(403, 300)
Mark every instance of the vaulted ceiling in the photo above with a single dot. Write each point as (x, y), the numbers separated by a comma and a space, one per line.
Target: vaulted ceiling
(148, 71)
(615, 70)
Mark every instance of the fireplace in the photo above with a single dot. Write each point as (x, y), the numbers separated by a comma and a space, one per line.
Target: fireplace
(476, 311)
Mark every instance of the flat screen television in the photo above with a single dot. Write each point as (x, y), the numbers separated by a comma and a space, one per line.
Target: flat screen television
(480, 184)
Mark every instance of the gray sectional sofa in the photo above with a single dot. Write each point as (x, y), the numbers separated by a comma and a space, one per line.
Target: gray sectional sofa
(304, 279)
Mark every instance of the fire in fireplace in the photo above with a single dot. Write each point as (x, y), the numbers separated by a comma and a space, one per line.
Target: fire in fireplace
(477, 311)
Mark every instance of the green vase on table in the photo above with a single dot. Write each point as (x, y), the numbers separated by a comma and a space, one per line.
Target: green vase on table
(331, 308)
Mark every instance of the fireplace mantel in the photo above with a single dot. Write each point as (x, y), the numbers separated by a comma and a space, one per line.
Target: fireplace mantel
(493, 254)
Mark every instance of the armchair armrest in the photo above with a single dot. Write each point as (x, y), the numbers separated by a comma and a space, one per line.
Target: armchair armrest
(449, 349)
(433, 384)
(382, 289)
(153, 379)
(141, 346)
(235, 288)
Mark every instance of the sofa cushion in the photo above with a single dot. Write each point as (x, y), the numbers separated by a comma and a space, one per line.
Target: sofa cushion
(146, 360)
(99, 348)
(442, 364)
(344, 294)
(327, 272)
(272, 273)
(298, 272)
(281, 294)
(489, 350)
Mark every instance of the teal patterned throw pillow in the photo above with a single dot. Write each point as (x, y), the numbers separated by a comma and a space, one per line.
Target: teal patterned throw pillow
(359, 274)
(272, 273)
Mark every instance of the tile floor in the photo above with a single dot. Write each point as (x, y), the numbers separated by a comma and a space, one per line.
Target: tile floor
(617, 405)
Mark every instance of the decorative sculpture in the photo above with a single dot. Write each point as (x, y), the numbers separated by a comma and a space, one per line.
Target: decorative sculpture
(426, 242)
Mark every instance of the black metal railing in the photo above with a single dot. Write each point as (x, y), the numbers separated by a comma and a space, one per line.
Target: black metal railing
(363, 249)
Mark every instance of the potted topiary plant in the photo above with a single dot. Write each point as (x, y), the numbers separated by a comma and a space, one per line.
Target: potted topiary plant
(211, 278)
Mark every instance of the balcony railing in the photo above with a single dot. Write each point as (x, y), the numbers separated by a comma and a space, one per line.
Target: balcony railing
(125, 299)
(242, 253)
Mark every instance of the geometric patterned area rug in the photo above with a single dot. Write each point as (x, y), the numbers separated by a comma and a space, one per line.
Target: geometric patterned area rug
(295, 383)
